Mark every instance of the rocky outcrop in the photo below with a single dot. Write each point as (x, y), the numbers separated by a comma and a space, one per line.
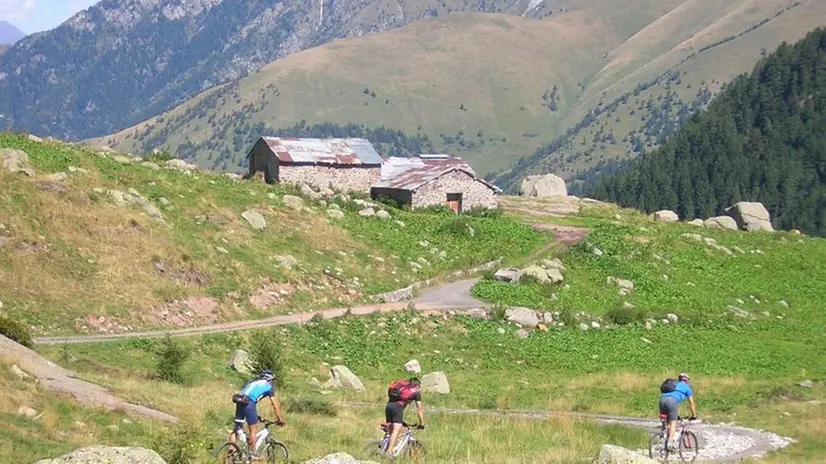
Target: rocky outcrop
(750, 216)
(16, 161)
(342, 377)
(107, 455)
(522, 316)
(548, 185)
(239, 362)
(508, 274)
(665, 215)
(255, 219)
(612, 454)
(436, 382)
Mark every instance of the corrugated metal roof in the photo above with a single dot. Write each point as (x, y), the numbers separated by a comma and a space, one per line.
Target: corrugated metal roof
(412, 173)
(324, 151)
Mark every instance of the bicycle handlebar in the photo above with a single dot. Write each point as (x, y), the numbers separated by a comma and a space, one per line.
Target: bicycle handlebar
(268, 423)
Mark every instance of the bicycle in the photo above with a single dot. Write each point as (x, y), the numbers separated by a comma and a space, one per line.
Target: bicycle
(269, 449)
(688, 447)
(405, 443)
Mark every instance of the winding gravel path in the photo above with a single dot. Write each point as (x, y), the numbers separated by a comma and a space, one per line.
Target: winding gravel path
(718, 442)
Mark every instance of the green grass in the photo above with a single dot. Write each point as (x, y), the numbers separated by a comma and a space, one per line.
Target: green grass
(94, 259)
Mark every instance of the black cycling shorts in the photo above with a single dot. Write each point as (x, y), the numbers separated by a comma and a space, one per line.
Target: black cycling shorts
(670, 407)
(394, 412)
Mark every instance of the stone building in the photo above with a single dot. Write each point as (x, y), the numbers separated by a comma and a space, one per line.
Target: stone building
(434, 180)
(343, 164)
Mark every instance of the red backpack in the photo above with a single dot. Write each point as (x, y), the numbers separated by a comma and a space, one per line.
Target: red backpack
(401, 390)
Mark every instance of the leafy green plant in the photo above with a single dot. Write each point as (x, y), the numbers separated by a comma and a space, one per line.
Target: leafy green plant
(160, 156)
(482, 212)
(15, 331)
(266, 353)
(624, 315)
(171, 358)
(183, 444)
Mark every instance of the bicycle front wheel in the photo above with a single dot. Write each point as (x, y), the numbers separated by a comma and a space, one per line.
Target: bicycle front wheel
(274, 451)
(416, 450)
(373, 448)
(229, 453)
(689, 446)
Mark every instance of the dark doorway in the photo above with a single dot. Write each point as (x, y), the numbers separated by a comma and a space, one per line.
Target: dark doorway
(454, 202)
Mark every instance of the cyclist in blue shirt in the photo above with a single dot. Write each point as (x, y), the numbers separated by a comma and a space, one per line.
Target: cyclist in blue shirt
(670, 403)
(246, 406)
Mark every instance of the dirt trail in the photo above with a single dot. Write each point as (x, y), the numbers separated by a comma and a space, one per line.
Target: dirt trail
(60, 380)
(718, 442)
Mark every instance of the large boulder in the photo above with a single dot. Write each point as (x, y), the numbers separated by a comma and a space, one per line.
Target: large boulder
(508, 274)
(239, 361)
(107, 455)
(665, 215)
(548, 185)
(338, 458)
(16, 161)
(542, 275)
(612, 454)
(751, 216)
(720, 222)
(522, 316)
(342, 377)
(435, 382)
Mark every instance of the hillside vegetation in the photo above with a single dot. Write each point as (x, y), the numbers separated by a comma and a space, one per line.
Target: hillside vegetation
(761, 140)
(102, 243)
(491, 88)
(744, 364)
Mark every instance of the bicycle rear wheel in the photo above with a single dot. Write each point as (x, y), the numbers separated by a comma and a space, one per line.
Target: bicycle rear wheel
(373, 448)
(229, 453)
(689, 446)
(416, 450)
(274, 451)
(656, 447)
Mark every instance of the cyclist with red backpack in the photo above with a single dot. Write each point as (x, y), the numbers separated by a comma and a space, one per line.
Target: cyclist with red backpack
(399, 394)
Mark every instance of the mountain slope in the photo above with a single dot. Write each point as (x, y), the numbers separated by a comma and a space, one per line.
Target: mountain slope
(652, 102)
(488, 88)
(120, 62)
(9, 34)
(762, 140)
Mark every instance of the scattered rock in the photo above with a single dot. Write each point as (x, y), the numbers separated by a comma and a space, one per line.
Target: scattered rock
(595, 324)
(151, 165)
(696, 222)
(26, 412)
(16, 161)
(51, 187)
(34, 138)
(508, 274)
(612, 454)
(255, 219)
(540, 327)
(542, 275)
(696, 237)
(543, 186)
(122, 159)
(221, 250)
(735, 311)
(525, 333)
(583, 326)
(750, 216)
(107, 455)
(672, 318)
(806, 384)
(338, 458)
(476, 312)
(367, 212)
(292, 201)
(163, 201)
(413, 367)
(383, 215)
(342, 377)
(501, 330)
(547, 318)
(239, 362)
(436, 382)
(553, 264)
(57, 177)
(286, 261)
(522, 316)
(645, 340)
(621, 283)
(720, 222)
(180, 165)
(596, 251)
(335, 214)
(783, 304)
(665, 215)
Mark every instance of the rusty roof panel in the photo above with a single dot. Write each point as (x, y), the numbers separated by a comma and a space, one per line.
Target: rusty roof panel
(412, 173)
(349, 151)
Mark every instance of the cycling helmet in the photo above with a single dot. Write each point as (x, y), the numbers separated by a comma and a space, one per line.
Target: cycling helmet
(266, 375)
(683, 375)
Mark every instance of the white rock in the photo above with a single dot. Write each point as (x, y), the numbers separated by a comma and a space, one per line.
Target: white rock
(508, 274)
(292, 201)
(367, 212)
(17, 371)
(413, 367)
(720, 222)
(255, 219)
(672, 318)
(383, 214)
(239, 361)
(26, 412)
(583, 326)
(435, 382)
(338, 458)
(751, 216)
(524, 317)
(543, 186)
(335, 214)
(665, 215)
(342, 377)
(107, 455)
(611, 454)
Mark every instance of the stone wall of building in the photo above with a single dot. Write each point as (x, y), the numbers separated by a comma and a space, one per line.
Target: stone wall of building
(474, 193)
(341, 178)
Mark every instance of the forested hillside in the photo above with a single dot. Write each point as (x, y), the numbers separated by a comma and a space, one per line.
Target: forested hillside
(762, 139)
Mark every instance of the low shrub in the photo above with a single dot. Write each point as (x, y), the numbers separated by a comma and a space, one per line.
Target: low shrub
(266, 353)
(316, 406)
(171, 358)
(16, 331)
(622, 315)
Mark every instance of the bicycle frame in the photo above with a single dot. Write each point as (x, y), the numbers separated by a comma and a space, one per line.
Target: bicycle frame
(401, 443)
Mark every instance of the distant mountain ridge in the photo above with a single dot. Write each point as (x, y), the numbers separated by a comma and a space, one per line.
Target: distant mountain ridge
(122, 61)
(9, 33)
